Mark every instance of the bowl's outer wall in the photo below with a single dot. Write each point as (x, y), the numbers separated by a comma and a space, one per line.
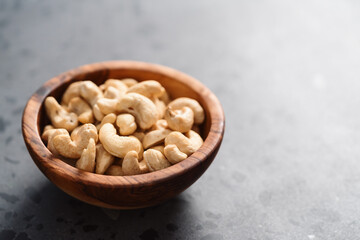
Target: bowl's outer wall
(136, 197)
(130, 191)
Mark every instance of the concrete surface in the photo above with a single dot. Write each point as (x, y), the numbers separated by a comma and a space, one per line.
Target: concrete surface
(286, 72)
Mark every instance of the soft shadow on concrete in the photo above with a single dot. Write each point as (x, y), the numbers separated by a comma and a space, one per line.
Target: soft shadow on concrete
(47, 212)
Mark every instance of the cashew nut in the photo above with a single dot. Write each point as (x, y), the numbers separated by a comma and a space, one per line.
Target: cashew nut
(48, 127)
(173, 154)
(155, 160)
(87, 159)
(107, 105)
(165, 98)
(149, 88)
(155, 137)
(72, 91)
(97, 113)
(144, 167)
(179, 120)
(195, 139)
(139, 135)
(72, 147)
(49, 135)
(46, 133)
(129, 82)
(141, 153)
(59, 117)
(187, 144)
(110, 118)
(117, 145)
(179, 103)
(142, 108)
(115, 170)
(160, 124)
(126, 124)
(103, 159)
(112, 93)
(131, 165)
(82, 109)
(160, 106)
(75, 131)
(159, 148)
(90, 92)
(118, 84)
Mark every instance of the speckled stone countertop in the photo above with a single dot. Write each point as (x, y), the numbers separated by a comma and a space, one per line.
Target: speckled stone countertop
(286, 72)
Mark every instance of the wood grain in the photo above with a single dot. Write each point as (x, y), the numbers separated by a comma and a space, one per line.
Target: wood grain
(125, 192)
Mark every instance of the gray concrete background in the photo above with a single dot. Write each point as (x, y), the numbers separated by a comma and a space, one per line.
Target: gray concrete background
(286, 72)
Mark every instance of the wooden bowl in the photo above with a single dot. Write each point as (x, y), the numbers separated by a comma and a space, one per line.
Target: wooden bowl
(124, 192)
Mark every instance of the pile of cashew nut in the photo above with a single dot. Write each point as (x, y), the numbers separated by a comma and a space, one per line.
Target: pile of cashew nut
(122, 127)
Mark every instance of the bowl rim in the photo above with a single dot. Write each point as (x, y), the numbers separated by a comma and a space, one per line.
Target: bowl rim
(52, 166)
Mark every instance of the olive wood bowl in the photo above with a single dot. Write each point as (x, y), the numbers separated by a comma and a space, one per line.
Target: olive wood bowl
(124, 192)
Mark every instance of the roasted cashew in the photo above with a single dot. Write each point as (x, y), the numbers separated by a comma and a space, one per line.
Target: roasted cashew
(107, 105)
(195, 139)
(117, 145)
(173, 154)
(179, 103)
(126, 123)
(139, 135)
(75, 131)
(90, 92)
(131, 165)
(144, 167)
(112, 93)
(49, 135)
(155, 137)
(160, 107)
(72, 147)
(187, 144)
(97, 113)
(72, 91)
(82, 109)
(149, 89)
(46, 133)
(179, 120)
(103, 159)
(129, 82)
(165, 98)
(142, 108)
(59, 117)
(159, 148)
(160, 124)
(141, 153)
(87, 159)
(48, 127)
(155, 160)
(118, 84)
(115, 170)
(110, 118)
